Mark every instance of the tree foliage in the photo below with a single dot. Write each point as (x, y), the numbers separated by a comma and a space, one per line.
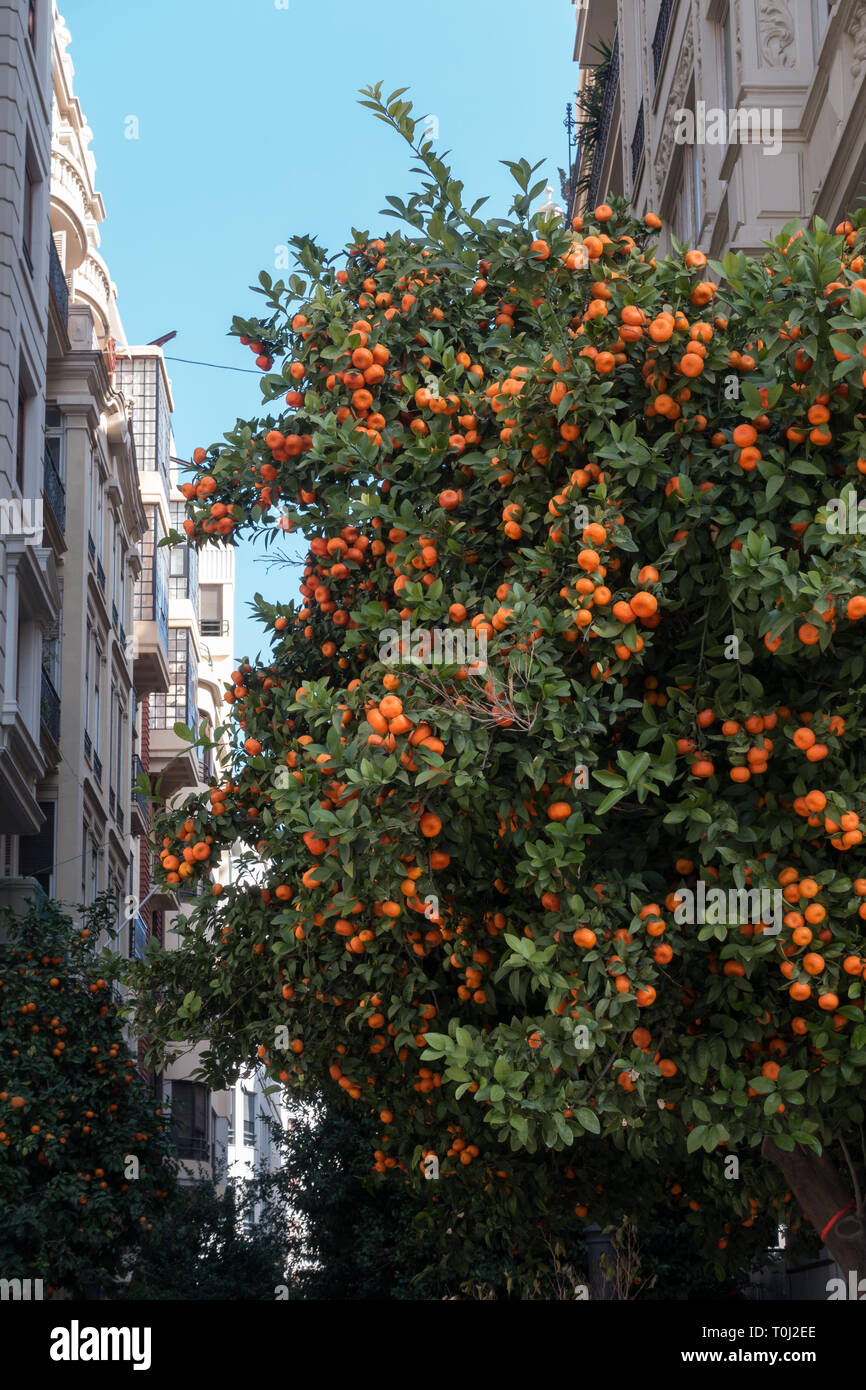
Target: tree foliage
(232, 1245)
(618, 472)
(83, 1148)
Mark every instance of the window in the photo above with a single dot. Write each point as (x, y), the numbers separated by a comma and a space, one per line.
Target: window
(210, 607)
(28, 211)
(231, 1124)
(97, 697)
(88, 678)
(685, 218)
(820, 20)
(183, 561)
(55, 439)
(94, 868)
(21, 436)
(205, 757)
(250, 1119)
(141, 380)
(51, 648)
(31, 23)
(98, 511)
(728, 61)
(120, 760)
(91, 469)
(151, 592)
(189, 1118)
(180, 705)
(121, 583)
(113, 765)
(54, 463)
(36, 852)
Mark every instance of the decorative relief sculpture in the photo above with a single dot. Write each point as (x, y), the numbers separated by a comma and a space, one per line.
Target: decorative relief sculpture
(776, 32)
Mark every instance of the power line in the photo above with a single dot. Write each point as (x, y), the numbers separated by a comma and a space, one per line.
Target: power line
(218, 366)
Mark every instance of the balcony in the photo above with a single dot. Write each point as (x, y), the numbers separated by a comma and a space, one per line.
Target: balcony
(214, 627)
(150, 659)
(151, 673)
(49, 708)
(193, 1148)
(600, 154)
(93, 287)
(57, 281)
(70, 205)
(88, 746)
(163, 896)
(100, 575)
(52, 486)
(173, 762)
(97, 768)
(660, 35)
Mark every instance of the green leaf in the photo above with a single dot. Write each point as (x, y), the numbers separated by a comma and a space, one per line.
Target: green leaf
(588, 1120)
(696, 1138)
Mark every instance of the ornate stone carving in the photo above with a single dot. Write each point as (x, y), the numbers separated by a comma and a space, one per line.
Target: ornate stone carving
(776, 34)
(857, 31)
(676, 98)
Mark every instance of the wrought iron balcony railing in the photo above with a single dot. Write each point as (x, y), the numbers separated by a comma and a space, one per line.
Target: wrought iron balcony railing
(610, 89)
(191, 1146)
(49, 707)
(59, 288)
(52, 486)
(661, 33)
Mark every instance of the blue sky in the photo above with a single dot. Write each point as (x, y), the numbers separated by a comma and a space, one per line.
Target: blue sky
(249, 132)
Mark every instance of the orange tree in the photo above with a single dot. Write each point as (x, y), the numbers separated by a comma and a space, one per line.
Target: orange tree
(464, 909)
(82, 1147)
